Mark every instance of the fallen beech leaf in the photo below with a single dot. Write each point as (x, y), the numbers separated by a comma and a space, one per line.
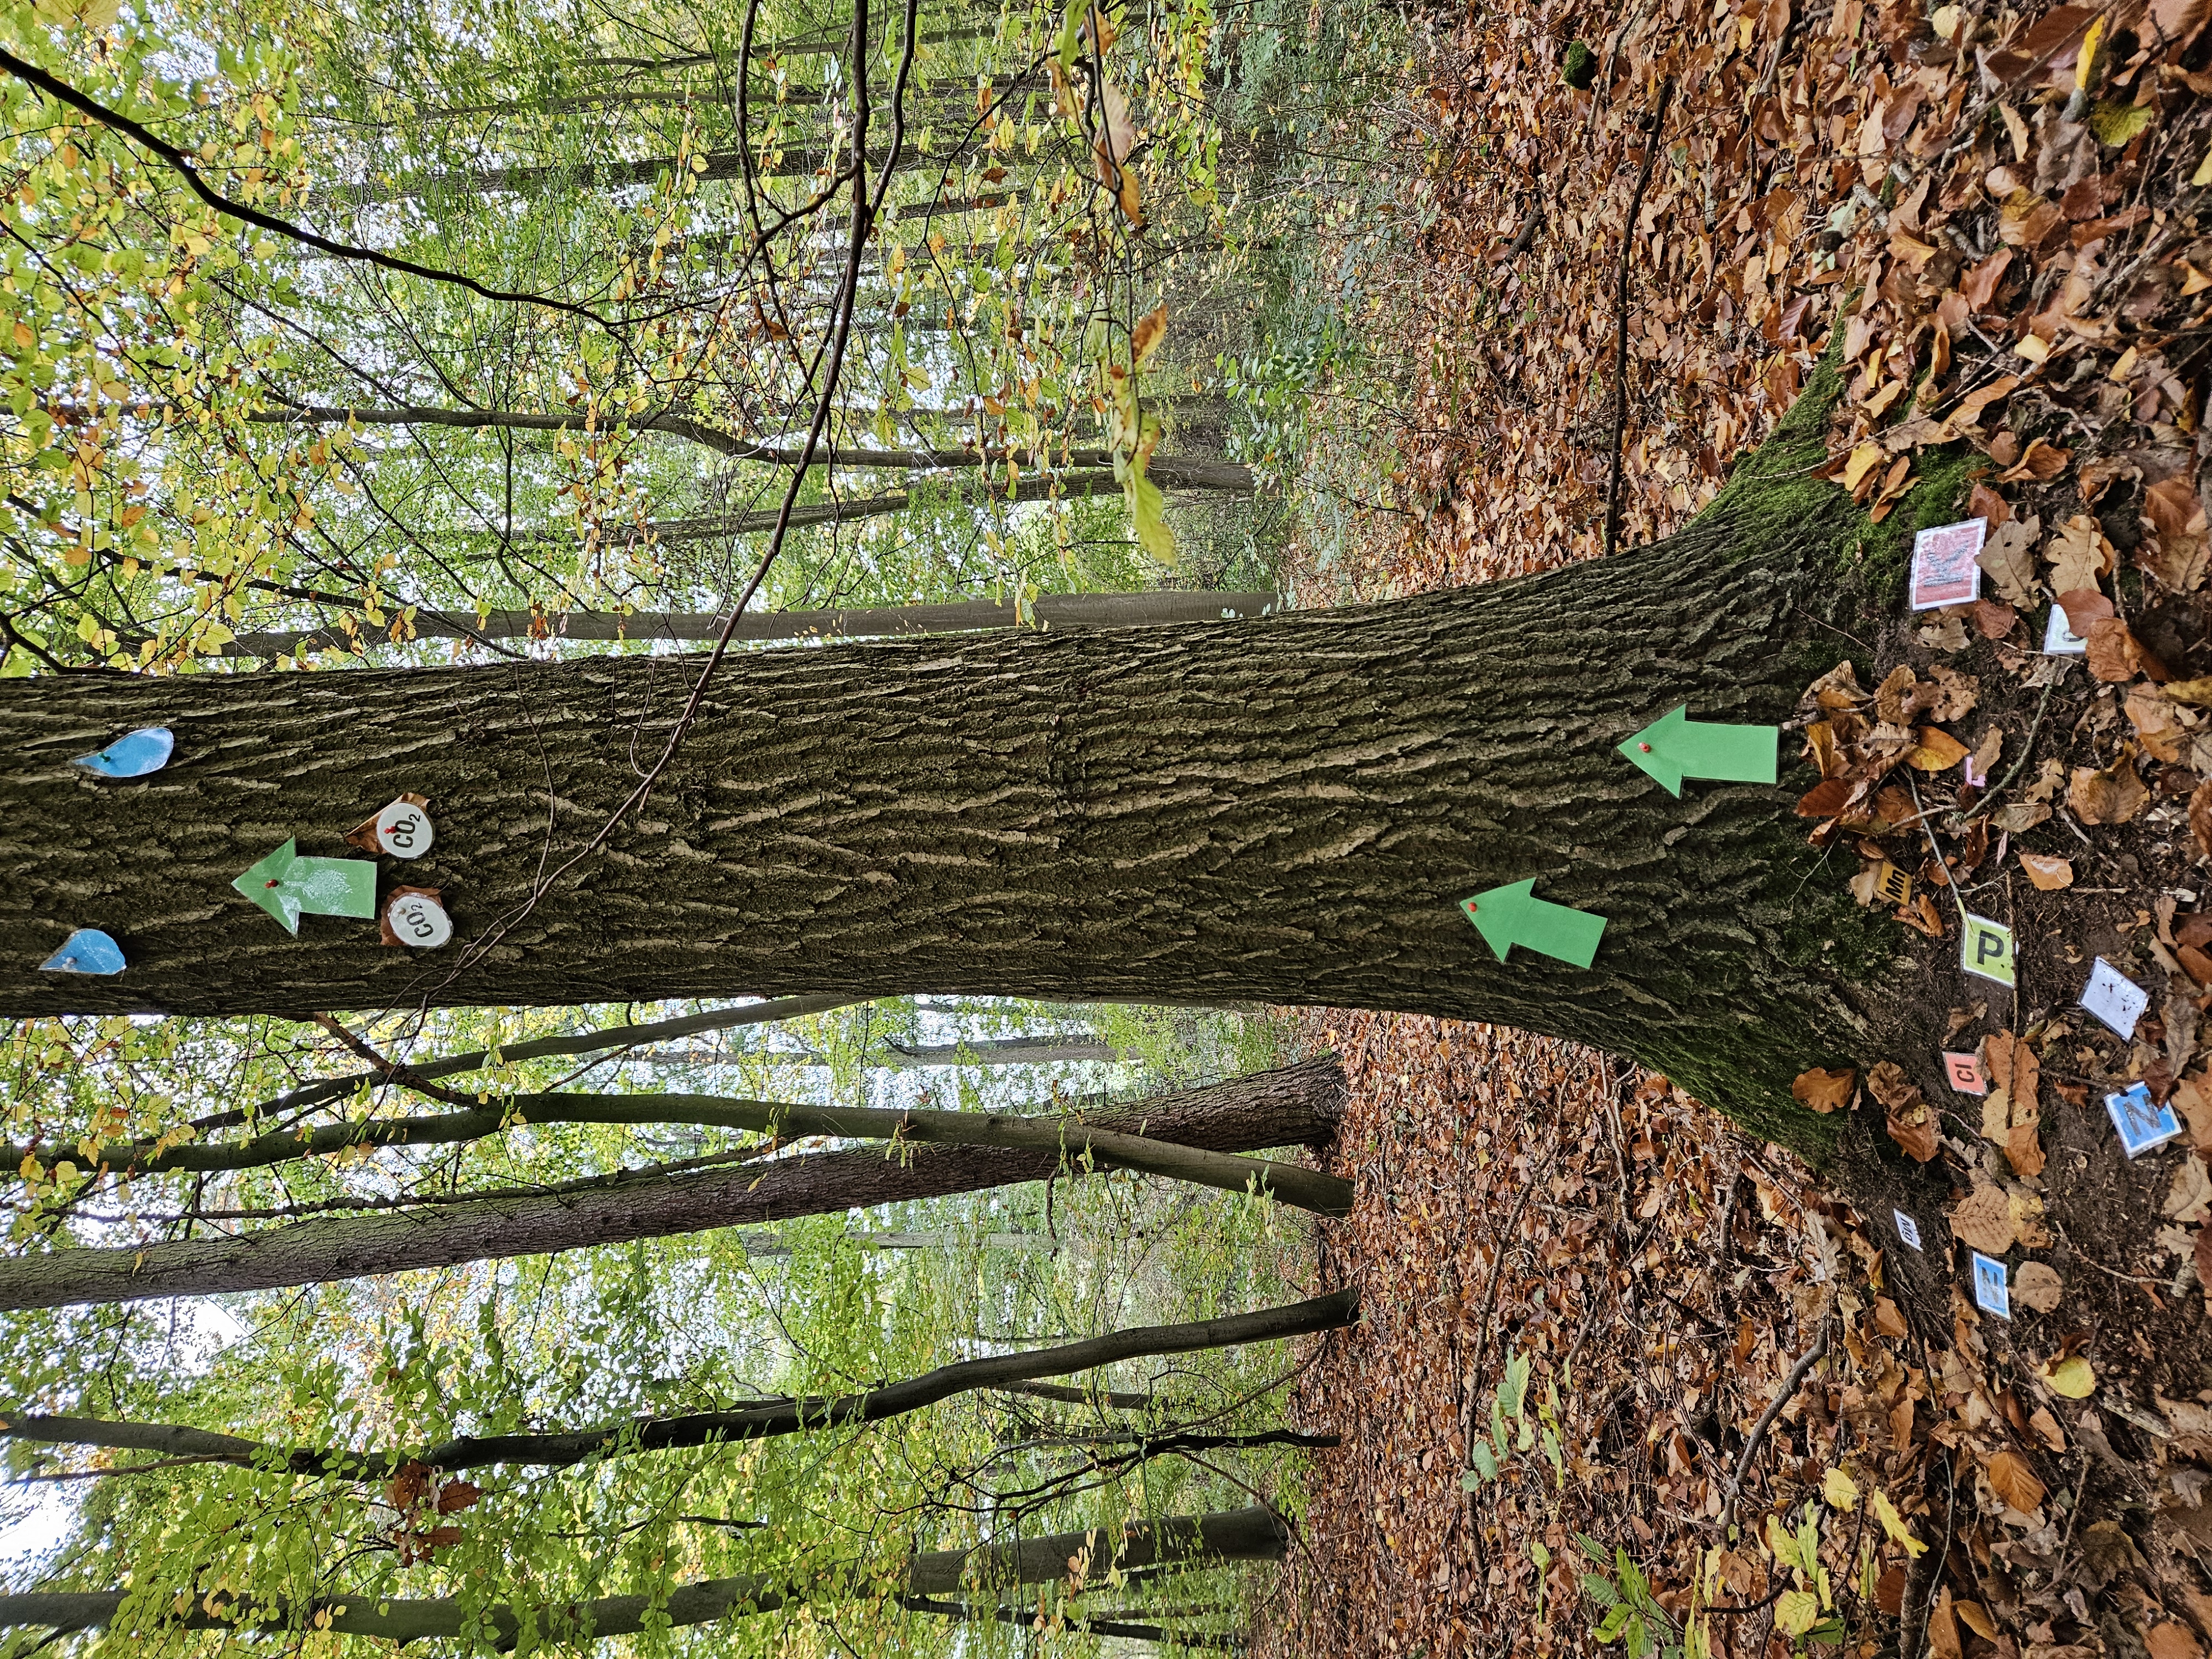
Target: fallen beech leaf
(2008, 558)
(2113, 655)
(2012, 1066)
(1818, 1091)
(2114, 796)
(2078, 554)
(1913, 1129)
(1984, 1219)
(2046, 1429)
(1972, 406)
(1825, 800)
(1993, 618)
(2085, 607)
(2037, 1285)
(1943, 1642)
(2186, 1200)
(2020, 817)
(2157, 723)
(2175, 22)
(2198, 964)
(1863, 461)
(1980, 285)
(2023, 1147)
(2071, 1378)
(2192, 1098)
(2172, 505)
(1839, 1492)
(2200, 816)
(2014, 1480)
(1888, 1320)
(1935, 751)
(1987, 750)
(1976, 1618)
(2043, 462)
(2048, 873)
(1890, 1086)
(2171, 1640)
(2197, 694)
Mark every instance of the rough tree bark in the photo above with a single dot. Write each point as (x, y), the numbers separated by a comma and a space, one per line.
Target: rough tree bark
(1286, 810)
(1049, 610)
(1246, 1534)
(1290, 1106)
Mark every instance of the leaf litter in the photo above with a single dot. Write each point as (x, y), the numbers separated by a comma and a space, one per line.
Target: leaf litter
(1994, 218)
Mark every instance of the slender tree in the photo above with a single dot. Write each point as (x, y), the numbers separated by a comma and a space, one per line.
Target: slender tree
(1246, 1534)
(750, 1420)
(1182, 1134)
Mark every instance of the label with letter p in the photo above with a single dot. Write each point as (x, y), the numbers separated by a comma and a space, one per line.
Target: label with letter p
(1986, 950)
(415, 916)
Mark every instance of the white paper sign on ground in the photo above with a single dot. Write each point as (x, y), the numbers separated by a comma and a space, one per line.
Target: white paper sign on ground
(2114, 998)
(1907, 1228)
(2060, 640)
(1943, 567)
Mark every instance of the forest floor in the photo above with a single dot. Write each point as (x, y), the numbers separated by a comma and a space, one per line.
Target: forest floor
(1998, 213)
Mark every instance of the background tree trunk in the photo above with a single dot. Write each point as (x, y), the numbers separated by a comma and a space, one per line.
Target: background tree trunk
(1246, 1534)
(1295, 1106)
(758, 1421)
(1287, 810)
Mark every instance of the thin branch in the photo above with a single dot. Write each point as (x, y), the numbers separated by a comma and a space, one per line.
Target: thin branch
(118, 122)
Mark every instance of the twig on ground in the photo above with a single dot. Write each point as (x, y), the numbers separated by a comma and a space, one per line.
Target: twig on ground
(1791, 1384)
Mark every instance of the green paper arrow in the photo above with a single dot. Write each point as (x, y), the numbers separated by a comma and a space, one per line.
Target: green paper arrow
(1507, 916)
(287, 886)
(1675, 747)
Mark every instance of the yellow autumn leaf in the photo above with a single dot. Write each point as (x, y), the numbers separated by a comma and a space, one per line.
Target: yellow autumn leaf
(2087, 62)
(1841, 1491)
(1893, 1524)
(1797, 1612)
(1934, 750)
(2115, 123)
(2072, 1376)
(1863, 460)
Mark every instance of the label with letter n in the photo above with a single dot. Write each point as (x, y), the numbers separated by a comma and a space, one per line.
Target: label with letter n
(1986, 950)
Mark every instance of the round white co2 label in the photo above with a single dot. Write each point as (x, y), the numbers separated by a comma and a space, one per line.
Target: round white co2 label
(418, 919)
(403, 829)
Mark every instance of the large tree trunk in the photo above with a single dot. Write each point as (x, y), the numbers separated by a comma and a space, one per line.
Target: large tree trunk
(1247, 1534)
(1295, 1106)
(1287, 809)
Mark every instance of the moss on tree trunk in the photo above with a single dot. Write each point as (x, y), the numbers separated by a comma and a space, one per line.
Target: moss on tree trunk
(1288, 809)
